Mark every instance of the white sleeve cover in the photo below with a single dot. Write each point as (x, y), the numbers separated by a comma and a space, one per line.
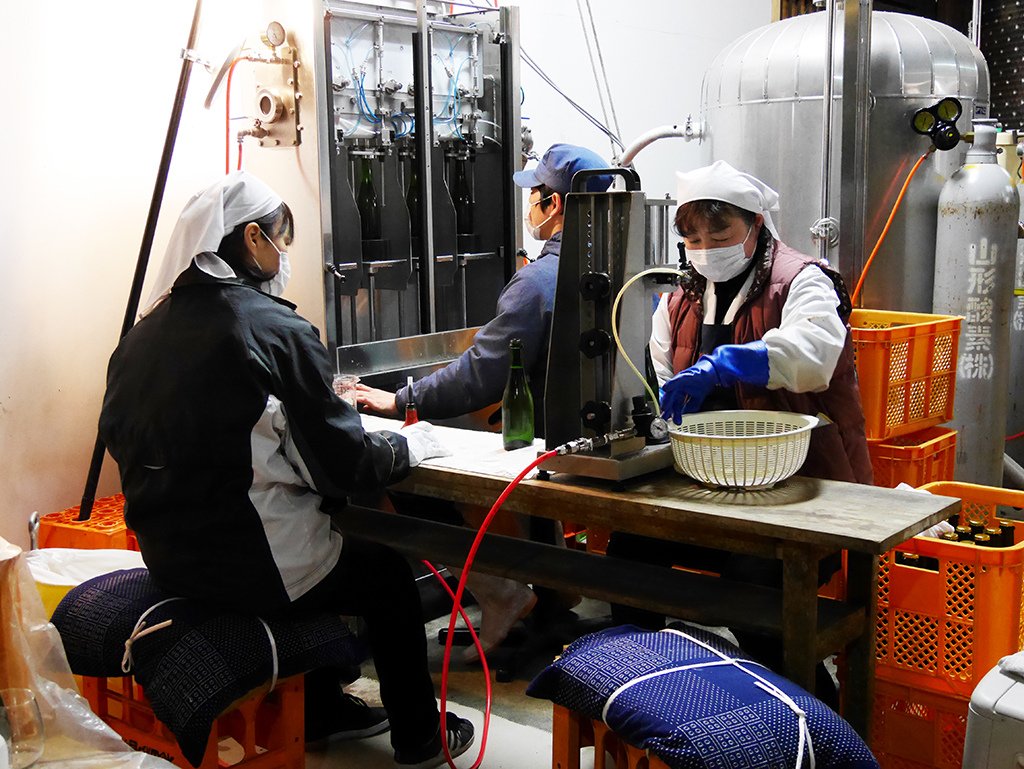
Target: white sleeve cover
(661, 341)
(804, 350)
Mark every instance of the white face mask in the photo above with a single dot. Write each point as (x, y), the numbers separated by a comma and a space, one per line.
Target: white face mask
(534, 229)
(277, 284)
(720, 264)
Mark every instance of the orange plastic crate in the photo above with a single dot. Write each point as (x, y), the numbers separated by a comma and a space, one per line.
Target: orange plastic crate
(572, 731)
(911, 729)
(916, 459)
(906, 364)
(104, 529)
(942, 630)
(267, 728)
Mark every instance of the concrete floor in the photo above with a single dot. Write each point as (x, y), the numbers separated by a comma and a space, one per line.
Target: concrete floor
(520, 731)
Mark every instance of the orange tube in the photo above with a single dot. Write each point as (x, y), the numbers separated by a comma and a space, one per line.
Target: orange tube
(457, 604)
(888, 223)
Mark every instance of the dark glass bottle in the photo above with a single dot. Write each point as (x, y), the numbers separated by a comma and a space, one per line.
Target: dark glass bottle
(517, 402)
(412, 198)
(462, 197)
(366, 202)
(412, 416)
(1009, 533)
(995, 534)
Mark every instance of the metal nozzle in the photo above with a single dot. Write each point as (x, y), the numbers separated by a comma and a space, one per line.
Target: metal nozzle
(581, 445)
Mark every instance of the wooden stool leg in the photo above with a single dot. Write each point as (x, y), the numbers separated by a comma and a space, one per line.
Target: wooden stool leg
(565, 739)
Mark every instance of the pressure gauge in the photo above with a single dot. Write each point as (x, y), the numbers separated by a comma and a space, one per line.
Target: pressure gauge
(275, 34)
(659, 429)
(948, 109)
(924, 121)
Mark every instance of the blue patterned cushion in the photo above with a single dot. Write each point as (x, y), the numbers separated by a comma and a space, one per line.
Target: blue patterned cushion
(204, 661)
(714, 716)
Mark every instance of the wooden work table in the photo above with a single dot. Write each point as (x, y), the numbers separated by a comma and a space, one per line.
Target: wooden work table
(799, 522)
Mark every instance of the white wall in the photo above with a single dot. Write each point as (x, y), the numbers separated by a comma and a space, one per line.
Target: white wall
(655, 52)
(89, 96)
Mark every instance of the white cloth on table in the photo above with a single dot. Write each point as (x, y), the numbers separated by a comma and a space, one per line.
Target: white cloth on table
(472, 451)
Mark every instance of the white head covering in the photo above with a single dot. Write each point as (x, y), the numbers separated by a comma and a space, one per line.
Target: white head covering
(720, 181)
(211, 214)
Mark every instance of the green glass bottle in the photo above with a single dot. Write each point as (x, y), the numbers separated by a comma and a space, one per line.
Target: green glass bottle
(462, 197)
(366, 201)
(517, 402)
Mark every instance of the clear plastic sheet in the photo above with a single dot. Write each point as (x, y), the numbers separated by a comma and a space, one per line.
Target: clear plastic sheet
(32, 657)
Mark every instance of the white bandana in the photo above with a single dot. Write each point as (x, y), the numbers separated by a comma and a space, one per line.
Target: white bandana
(720, 181)
(211, 214)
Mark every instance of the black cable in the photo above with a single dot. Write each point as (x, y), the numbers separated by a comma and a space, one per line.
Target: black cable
(593, 120)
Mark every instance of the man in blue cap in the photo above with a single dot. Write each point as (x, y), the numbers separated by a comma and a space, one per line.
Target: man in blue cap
(477, 379)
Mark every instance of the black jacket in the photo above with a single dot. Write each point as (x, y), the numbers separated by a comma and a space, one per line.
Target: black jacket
(220, 415)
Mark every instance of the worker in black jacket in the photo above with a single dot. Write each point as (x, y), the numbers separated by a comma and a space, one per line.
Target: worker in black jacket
(233, 450)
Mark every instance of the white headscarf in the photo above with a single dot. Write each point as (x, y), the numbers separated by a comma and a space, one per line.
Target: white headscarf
(720, 181)
(235, 199)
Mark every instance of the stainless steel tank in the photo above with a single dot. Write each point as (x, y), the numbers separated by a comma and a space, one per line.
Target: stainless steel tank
(761, 104)
(975, 259)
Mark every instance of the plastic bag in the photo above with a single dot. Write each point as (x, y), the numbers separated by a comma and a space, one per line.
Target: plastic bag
(32, 657)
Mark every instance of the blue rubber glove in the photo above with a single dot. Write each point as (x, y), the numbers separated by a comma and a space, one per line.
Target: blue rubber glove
(731, 363)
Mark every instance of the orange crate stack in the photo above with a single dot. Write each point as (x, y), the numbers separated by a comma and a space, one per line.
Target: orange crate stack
(104, 529)
(267, 727)
(906, 364)
(912, 729)
(942, 624)
(916, 459)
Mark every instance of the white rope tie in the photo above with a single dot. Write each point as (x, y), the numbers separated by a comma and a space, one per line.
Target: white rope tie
(804, 734)
(273, 654)
(141, 631)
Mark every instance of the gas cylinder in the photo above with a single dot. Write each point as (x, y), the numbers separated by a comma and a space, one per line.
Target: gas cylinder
(975, 257)
(1010, 143)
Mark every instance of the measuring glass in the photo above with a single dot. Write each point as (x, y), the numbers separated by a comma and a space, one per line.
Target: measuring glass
(345, 387)
(21, 726)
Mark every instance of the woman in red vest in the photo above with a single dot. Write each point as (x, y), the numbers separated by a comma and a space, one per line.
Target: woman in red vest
(757, 325)
(754, 324)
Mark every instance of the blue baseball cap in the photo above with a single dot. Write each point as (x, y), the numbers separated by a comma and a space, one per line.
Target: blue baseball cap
(560, 163)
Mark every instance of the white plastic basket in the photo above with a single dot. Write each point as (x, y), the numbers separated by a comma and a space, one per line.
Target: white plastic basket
(741, 449)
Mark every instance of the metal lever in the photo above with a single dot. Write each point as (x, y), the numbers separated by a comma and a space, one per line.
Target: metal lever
(336, 271)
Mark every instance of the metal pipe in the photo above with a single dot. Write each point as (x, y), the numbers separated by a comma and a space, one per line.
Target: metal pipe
(378, 53)
(96, 464)
(474, 60)
(853, 151)
(690, 130)
(371, 303)
(511, 146)
(976, 23)
(407, 21)
(826, 125)
(423, 107)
